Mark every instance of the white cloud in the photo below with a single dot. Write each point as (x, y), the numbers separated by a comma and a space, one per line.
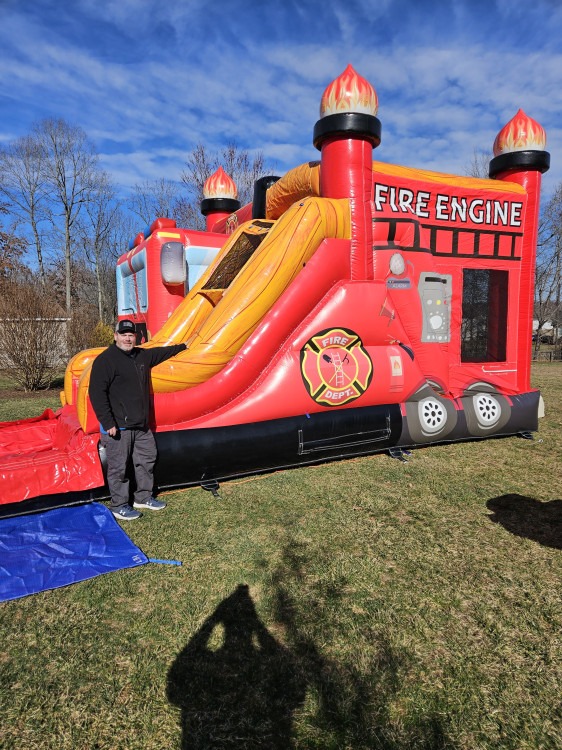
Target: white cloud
(189, 72)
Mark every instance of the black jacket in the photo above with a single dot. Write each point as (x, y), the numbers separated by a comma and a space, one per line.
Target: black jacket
(120, 384)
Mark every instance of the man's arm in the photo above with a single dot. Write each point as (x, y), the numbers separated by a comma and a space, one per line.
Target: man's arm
(162, 353)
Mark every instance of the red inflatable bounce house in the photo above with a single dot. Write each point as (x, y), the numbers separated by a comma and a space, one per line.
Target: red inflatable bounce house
(354, 307)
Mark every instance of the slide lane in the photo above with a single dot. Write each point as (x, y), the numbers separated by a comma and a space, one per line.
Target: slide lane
(181, 324)
(238, 309)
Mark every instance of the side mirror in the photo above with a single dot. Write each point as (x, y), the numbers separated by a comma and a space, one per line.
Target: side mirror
(172, 263)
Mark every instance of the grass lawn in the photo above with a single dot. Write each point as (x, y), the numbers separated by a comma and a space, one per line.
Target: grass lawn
(15, 403)
(359, 604)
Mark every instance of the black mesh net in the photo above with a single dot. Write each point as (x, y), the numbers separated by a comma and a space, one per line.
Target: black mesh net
(239, 255)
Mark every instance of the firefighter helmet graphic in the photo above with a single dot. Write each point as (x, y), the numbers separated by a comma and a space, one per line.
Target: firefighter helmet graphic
(335, 367)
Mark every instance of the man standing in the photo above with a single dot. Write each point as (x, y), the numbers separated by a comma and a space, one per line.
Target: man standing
(120, 396)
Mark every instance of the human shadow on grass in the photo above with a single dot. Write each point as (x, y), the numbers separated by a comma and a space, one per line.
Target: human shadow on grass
(236, 685)
(529, 518)
(353, 694)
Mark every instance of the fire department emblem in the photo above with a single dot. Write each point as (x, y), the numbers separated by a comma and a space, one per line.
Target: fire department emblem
(335, 367)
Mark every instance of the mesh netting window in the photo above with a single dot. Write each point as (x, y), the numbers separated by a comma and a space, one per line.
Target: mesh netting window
(484, 316)
(236, 259)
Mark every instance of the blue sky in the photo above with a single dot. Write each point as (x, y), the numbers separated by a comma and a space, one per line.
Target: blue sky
(148, 80)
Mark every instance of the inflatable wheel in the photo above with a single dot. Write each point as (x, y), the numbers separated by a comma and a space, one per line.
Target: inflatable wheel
(430, 416)
(485, 409)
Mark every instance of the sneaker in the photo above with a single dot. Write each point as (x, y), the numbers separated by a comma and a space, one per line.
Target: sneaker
(126, 513)
(150, 504)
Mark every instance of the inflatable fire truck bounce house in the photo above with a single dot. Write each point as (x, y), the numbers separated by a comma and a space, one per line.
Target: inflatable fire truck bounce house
(354, 307)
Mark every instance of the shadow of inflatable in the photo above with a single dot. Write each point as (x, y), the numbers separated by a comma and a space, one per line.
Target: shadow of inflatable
(529, 518)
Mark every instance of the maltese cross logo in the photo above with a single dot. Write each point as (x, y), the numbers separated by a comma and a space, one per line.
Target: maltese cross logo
(335, 367)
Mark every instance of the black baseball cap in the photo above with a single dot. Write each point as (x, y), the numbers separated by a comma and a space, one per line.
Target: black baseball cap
(125, 326)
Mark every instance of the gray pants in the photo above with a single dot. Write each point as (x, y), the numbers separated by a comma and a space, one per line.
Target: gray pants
(136, 447)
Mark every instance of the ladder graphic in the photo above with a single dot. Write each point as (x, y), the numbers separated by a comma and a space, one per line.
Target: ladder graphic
(336, 361)
(339, 374)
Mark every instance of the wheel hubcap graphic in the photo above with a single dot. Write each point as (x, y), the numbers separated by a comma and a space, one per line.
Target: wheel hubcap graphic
(432, 415)
(487, 409)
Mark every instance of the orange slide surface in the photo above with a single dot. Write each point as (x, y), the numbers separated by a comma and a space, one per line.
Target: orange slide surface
(256, 265)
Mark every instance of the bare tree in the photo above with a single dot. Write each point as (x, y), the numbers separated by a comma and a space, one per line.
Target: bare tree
(243, 169)
(93, 268)
(548, 282)
(24, 187)
(153, 198)
(101, 214)
(479, 164)
(71, 170)
(122, 231)
(201, 164)
(12, 248)
(32, 341)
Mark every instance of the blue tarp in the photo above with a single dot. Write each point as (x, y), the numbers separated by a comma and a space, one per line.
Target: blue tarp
(59, 547)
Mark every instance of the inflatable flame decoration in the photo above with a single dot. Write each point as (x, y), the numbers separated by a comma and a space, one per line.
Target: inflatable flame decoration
(349, 92)
(521, 133)
(220, 185)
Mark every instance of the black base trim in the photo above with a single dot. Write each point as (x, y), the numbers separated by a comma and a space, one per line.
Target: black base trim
(519, 160)
(208, 456)
(346, 125)
(195, 456)
(227, 205)
(50, 502)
